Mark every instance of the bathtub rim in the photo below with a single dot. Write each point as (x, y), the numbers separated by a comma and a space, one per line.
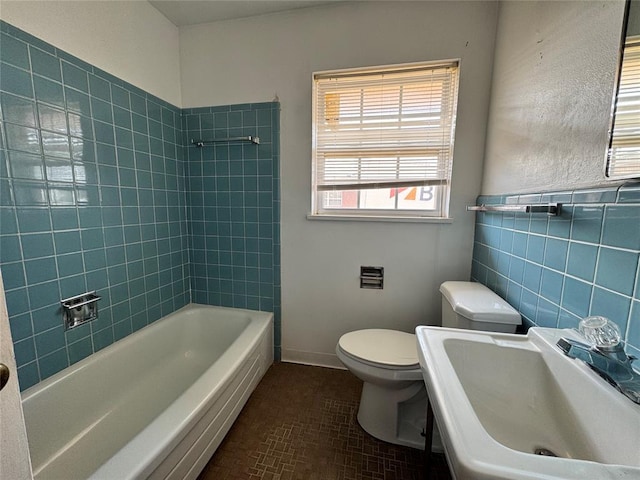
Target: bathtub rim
(121, 343)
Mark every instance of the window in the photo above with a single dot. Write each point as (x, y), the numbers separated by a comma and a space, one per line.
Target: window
(623, 156)
(383, 140)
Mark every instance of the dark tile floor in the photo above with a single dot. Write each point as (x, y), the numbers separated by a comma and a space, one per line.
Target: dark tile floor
(300, 424)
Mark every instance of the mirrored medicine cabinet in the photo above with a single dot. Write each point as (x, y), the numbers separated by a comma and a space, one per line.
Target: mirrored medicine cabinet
(623, 152)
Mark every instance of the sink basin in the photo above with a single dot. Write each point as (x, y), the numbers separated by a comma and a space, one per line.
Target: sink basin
(515, 407)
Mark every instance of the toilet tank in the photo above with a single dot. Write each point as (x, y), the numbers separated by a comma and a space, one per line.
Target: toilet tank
(473, 306)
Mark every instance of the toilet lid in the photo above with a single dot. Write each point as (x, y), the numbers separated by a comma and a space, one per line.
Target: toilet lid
(386, 347)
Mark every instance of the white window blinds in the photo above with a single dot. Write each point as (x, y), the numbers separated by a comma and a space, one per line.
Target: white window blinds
(388, 128)
(624, 151)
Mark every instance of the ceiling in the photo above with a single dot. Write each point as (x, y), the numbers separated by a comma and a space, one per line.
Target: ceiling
(192, 12)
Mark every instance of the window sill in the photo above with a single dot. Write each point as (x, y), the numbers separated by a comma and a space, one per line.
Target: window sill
(372, 218)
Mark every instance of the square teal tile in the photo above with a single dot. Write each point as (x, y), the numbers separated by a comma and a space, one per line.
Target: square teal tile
(586, 223)
(64, 218)
(37, 245)
(17, 301)
(48, 91)
(13, 275)
(18, 110)
(14, 51)
(101, 110)
(78, 102)
(551, 285)
(10, 250)
(104, 132)
(75, 77)
(568, 320)
(31, 220)
(24, 351)
(16, 81)
(546, 314)
(53, 363)
(90, 216)
(29, 194)
(61, 194)
(92, 238)
(28, 375)
(52, 119)
(70, 264)
(21, 138)
(21, 327)
(99, 88)
(576, 297)
(94, 259)
(120, 97)
(103, 338)
(59, 170)
(50, 341)
(621, 227)
(40, 270)
(611, 305)
(55, 145)
(582, 260)
(539, 224)
(80, 127)
(45, 64)
(26, 166)
(45, 307)
(80, 350)
(555, 254)
(617, 270)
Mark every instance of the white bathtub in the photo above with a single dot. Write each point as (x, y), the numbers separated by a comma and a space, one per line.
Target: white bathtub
(155, 404)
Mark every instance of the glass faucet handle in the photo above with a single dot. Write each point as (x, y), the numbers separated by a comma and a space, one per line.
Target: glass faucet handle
(600, 331)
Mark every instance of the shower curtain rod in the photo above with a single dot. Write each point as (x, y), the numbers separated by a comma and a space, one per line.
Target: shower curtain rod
(249, 138)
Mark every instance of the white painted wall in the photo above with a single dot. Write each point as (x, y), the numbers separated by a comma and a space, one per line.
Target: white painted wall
(553, 84)
(254, 59)
(130, 40)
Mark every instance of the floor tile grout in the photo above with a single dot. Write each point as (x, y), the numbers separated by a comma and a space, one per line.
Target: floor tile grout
(300, 424)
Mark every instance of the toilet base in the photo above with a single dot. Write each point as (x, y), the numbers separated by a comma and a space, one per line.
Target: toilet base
(394, 416)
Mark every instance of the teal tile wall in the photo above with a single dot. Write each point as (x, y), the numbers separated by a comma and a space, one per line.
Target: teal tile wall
(92, 198)
(101, 190)
(233, 207)
(558, 269)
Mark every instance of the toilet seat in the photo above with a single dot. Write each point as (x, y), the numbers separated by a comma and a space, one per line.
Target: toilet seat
(389, 349)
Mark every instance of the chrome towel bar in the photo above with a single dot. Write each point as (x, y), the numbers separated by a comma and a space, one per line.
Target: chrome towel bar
(549, 209)
(249, 138)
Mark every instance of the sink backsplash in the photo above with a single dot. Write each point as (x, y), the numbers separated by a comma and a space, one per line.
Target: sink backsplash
(556, 270)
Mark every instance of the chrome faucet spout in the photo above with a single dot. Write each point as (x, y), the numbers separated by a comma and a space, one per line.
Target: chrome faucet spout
(611, 363)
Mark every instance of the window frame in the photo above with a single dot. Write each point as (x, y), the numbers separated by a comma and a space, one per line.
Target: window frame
(441, 186)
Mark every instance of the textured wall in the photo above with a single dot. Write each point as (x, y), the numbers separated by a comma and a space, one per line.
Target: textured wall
(553, 82)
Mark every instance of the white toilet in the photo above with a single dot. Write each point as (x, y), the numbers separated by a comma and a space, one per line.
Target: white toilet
(393, 401)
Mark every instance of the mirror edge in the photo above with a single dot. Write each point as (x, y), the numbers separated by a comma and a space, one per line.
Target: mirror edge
(612, 115)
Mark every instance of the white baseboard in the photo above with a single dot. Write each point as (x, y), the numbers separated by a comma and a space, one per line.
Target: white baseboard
(329, 360)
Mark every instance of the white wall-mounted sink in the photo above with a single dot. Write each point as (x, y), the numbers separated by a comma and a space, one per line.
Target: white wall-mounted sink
(500, 398)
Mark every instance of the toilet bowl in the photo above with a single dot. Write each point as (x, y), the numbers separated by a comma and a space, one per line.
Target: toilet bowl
(393, 401)
(387, 362)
